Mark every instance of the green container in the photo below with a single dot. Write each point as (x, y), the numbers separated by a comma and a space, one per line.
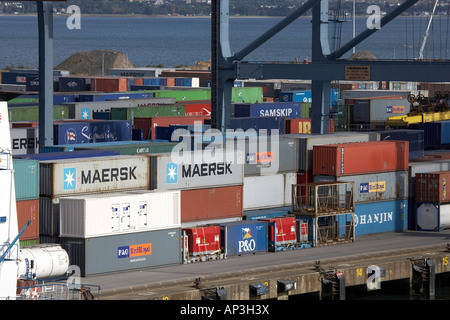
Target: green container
(247, 95)
(305, 112)
(138, 148)
(26, 179)
(32, 113)
(185, 95)
(26, 243)
(147, 111)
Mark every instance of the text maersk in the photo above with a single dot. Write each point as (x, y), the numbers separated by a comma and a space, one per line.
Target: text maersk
(108, 175)
(206, 169)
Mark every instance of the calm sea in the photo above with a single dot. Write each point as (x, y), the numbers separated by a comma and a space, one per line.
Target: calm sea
(175, 41)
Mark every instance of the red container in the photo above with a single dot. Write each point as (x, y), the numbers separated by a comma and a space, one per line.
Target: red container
(282, 230)
(196, 107)
(28, 210)
(203, 240)
(298, 126)
(432, 187)
(360, 158)
(109, 84)
(211, 203)
(145, 123)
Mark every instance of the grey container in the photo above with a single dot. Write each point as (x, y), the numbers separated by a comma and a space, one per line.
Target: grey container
(90, 175)
(378, 110)
(259, 160)
(194, 170)
(125, 252)
(25, 140)
(308, 141)
(380, 186)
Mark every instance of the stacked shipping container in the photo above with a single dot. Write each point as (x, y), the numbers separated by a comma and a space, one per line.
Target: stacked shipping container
(378, 170)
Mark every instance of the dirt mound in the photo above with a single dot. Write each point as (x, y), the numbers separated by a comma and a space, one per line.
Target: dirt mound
(94, 62)
(362, 55)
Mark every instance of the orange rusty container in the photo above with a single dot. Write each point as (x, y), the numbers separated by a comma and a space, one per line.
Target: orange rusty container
(432, 187)
(109, 84)
(360, 158)
(211, 203)
(148, 124)
(28, 210)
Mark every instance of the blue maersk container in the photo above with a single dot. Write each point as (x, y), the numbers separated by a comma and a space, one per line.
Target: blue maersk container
(258, 123)
(74, 132)
(287, 110)
(436, 134)
(244, 237)
(381, 216)
(414, 137)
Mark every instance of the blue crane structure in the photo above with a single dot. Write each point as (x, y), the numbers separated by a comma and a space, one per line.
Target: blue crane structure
(325, 66)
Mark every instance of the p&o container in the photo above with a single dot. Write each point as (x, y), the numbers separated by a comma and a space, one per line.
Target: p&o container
(360, 158)
(378, 186)
(244, 237)
(124, 252)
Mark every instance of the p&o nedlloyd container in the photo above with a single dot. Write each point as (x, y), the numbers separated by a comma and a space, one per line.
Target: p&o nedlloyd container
(123, 252)
(88, 175)
(379, 186)
(113, 213)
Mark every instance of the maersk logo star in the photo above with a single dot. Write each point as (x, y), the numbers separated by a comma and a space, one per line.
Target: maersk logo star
(69, 178)
(85, 113)
(171, 173)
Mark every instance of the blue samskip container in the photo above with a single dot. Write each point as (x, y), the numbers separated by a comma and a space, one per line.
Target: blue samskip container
(73, 132)
(287, 110)
(381, 216)
(244, 237)
(68, 155)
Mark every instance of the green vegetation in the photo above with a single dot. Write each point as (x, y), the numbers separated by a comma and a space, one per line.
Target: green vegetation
(179, 7)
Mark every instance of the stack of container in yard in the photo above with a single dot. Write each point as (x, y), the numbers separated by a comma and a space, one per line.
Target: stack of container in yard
(432, 201)
(26, 181)
(379, 170)
(78, 176)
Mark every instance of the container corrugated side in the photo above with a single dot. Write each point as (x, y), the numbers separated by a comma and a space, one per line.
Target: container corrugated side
(268, 191)
(432, 187)
(436, 134)
(211, 203)
(308, 141)
(124, 252)
(26, 179)
(381, 216)
(266, 213)
(244, 237)
(197, 169)
(360, 158)
(88, 175)
(109, 214)
(135, 148)
(379, 186)
(202, 240)
(28, 210)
